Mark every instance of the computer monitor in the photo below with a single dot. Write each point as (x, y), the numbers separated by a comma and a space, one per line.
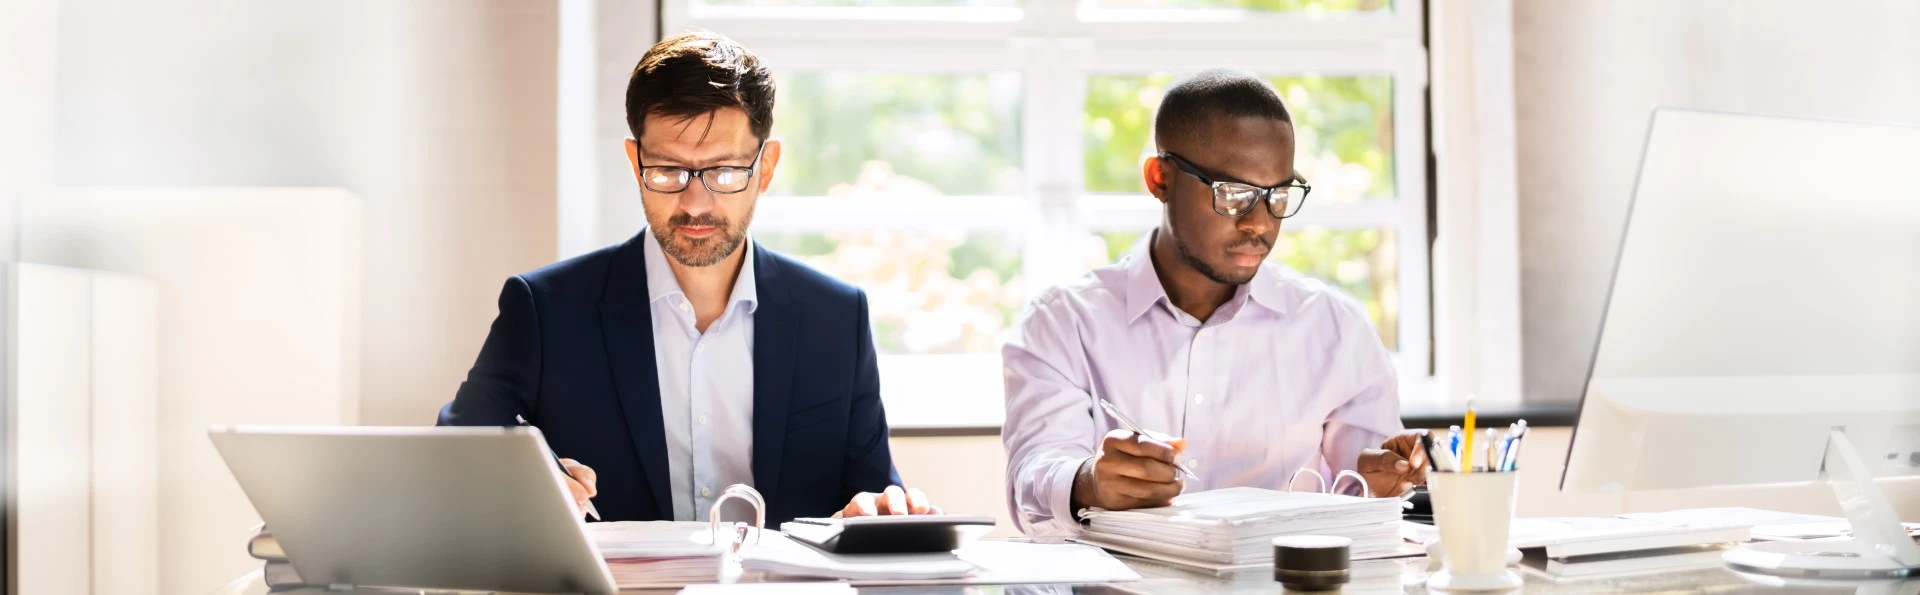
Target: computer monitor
(1763, 324)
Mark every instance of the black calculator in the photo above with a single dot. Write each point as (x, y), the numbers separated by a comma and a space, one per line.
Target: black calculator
(885, 534)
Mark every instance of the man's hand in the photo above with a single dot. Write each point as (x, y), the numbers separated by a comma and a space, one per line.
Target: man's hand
(1131, 471)
(892, 501)
(582, 482)
(1395, 467)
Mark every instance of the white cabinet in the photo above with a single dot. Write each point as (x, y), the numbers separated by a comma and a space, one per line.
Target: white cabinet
(85, 430)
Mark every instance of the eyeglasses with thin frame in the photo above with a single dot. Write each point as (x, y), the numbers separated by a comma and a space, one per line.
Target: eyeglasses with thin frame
(722, 179)
(1235, 199)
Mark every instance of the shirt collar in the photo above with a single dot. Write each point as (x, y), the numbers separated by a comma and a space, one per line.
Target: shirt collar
(661, 283)
(1144, 289)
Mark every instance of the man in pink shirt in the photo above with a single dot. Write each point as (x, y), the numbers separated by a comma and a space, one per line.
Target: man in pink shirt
(1196, 334)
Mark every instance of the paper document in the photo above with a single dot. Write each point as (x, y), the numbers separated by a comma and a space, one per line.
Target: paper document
(817, 588)
(979, 563)
(1234, 527)
(778, 556)
(627, 540)
(1767, 524)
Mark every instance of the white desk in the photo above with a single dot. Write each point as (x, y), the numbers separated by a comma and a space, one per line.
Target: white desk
(1412, 574)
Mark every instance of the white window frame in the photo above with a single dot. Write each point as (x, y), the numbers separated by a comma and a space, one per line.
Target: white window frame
(1055, 45)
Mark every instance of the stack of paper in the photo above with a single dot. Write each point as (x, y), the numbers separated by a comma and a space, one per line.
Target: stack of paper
(778, 556)
(658, 553)
(1234, 527)
(1629, 564)
(1768, 525)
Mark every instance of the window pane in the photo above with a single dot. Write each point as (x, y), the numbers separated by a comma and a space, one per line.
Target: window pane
(1343, 126)
(1364, 263)
(848, 133)
(859, 3)
(1297, 6)
(927, 291)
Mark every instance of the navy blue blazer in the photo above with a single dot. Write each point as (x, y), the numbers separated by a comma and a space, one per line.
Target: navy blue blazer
(572, 351)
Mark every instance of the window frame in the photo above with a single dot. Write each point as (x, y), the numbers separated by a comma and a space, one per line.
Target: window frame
(1055, 46)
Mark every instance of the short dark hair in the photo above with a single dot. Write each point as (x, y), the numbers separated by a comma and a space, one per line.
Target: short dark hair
(696, 73)
(1214, 93)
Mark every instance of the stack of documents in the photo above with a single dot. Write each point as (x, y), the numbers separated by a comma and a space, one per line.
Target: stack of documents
(1234, 527)
(1768, 525)
(1568, 537)
(657, 553)
(1617, 565)
(977, 563)
(778, 556)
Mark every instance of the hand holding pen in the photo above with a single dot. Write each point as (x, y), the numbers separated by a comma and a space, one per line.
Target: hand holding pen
(580, 479)
(1396, 466)
(1135, 468)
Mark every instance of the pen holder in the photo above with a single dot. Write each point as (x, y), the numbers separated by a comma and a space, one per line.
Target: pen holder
(1473, 512)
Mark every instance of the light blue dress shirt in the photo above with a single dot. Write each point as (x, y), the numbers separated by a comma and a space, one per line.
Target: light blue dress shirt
(706, 385)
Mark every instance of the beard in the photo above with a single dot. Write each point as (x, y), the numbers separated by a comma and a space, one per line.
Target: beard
(701, 252)
(1192, 260)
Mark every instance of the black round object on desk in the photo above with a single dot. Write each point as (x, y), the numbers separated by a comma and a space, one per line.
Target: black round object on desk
(1311, 562)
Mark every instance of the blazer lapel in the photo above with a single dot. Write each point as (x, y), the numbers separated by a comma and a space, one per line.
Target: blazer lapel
(776, 334)
(626, 321)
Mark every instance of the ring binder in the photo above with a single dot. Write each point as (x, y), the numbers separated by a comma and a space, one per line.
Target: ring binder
(1329, 489)
(738, 491)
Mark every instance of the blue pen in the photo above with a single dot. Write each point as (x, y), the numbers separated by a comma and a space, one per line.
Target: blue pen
(1453, 440)
(1512, 459)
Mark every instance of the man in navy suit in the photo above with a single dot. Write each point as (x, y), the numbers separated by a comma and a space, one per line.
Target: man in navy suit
(688, 358)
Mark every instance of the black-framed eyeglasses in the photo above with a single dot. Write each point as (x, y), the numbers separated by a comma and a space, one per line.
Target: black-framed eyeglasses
(723, 179)
(1234, 199)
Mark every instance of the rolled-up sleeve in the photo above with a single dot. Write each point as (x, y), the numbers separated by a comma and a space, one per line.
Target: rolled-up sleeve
(1370, 407)
(1050, 429)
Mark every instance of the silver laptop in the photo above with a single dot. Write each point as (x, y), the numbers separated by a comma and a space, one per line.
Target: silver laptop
(431, 508)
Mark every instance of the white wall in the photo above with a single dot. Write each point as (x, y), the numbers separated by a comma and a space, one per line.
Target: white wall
(1586, 75)
(439, 113)
(601, 41)
(28, 71)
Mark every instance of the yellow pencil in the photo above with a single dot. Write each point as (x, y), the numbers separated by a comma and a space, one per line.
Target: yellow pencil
(1466, 447)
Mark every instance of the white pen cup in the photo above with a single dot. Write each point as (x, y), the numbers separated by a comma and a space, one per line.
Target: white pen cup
(1473, 512)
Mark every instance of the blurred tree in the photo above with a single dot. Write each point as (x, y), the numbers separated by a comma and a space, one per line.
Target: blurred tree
(1308, 6)
(858, 3)
(1337, 121)
(958, 133)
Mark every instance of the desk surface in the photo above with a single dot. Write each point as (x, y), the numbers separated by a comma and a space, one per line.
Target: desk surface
(1411, 578)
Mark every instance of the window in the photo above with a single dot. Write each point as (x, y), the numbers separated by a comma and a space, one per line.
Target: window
(954, 156)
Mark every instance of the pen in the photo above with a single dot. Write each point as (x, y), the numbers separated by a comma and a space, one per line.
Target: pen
(1512, 460)
(1426, 446)
(1453, 441)
(1494, 452)
(563, 469)
(1115, 413)
(1449, 462)
(1466, 453)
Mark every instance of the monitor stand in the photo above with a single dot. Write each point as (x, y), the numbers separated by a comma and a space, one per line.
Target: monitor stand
(1880, 548)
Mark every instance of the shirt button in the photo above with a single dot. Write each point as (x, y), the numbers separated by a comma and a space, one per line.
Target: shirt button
(703, 420)
(704, 492)
(702, 348)
(686, 307)
(1197, 399)
(1193, 463)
